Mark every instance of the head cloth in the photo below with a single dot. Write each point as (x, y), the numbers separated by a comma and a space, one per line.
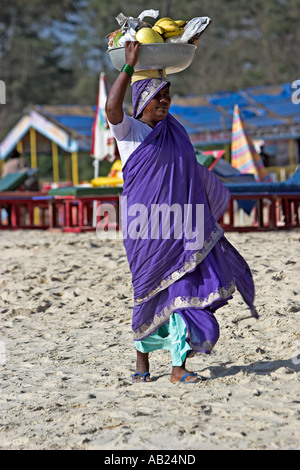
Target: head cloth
(145, 88)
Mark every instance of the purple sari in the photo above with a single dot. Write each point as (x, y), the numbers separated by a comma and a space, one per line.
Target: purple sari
(189, 270)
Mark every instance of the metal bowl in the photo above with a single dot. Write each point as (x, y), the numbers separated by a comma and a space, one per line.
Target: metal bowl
(172, 57)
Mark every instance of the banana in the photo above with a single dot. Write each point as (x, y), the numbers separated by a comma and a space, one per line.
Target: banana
(162, 19)
(180, 22)
(169, 26)
(158, 29)
(173, 33)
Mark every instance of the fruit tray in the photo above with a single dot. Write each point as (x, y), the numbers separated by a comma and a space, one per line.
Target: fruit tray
(172, 57)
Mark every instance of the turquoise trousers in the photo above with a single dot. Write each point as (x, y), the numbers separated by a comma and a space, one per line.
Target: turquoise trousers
(171, 337)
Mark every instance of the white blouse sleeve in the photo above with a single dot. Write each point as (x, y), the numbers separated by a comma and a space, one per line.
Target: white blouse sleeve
(121, 130)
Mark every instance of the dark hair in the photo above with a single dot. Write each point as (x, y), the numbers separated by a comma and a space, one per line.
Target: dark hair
(14, 154)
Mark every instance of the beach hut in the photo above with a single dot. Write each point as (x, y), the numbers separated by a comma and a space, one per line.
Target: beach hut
(54, 130)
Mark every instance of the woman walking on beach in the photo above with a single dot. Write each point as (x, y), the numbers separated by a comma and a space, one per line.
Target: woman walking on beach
(182, 278)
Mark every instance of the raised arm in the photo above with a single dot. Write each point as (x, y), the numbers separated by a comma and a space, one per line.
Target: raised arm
(115, 99)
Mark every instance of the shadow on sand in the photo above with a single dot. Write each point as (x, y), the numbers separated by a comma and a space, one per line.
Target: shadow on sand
(259, 368)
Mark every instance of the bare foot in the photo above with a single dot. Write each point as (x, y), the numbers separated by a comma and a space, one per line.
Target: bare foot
(142, 368)
(179, 372)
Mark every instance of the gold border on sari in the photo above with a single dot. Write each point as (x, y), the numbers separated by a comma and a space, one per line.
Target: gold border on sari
(182, 302)
(190, 264)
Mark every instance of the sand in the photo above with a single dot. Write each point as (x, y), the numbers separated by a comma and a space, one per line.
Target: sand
(67, 353)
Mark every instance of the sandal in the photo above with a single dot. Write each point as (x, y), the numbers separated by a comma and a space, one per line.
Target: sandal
(141, 375)
(189, 381)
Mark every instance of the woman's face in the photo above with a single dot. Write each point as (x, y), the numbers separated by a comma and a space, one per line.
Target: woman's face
(158, 108)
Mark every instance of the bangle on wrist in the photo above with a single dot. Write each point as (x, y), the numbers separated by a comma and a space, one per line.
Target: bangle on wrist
(128, 69)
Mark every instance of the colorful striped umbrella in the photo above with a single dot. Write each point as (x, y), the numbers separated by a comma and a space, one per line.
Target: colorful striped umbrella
(243, 154)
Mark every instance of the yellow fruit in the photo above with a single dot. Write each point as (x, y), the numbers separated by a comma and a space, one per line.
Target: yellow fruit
(158, 29)
(162, 19)
(169, 25)
(180, 22)
(173, 33)
(148, 36)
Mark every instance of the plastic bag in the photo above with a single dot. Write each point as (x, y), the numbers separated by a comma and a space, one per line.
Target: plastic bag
(149, 13)
(129, 26)
(174, 40)
(127, 22)
(194, 28)
(128, 36)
